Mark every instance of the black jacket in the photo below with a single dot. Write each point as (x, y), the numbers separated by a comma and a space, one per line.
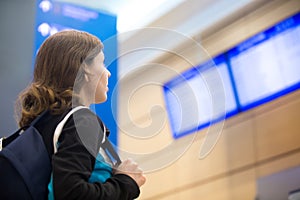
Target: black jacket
(74, 161)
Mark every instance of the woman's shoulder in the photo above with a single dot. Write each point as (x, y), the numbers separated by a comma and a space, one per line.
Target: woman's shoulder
(84, 116)
(81, 111)
(83, 127)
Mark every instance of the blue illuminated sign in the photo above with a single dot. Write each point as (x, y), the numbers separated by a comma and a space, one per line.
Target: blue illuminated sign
(267, 65)
(258, 70)
(199, 97)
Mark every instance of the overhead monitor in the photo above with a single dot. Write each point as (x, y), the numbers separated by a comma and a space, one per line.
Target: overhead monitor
(199, 96)
(267, 65)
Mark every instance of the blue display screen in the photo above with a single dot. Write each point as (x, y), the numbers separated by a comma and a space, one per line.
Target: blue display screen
(267, 65)
(200, 96)
(258, 70)
(54, 16)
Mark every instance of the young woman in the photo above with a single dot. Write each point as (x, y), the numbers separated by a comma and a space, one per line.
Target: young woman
(69, 71)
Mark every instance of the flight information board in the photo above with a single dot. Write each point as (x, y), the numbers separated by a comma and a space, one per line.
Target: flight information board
(267, 65)
(258, 70)
(199, 96)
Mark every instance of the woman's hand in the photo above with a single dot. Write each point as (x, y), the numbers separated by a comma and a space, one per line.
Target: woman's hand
(130, 168)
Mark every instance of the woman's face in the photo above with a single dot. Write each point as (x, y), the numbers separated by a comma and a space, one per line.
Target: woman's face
(99, 78)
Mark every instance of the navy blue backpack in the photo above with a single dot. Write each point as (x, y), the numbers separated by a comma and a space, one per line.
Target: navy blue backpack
(25, 166)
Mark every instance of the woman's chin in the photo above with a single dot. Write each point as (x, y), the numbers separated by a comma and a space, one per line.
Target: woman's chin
(101, 100)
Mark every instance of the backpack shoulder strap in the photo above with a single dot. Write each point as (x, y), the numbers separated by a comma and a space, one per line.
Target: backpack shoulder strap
(106, 144)
(61, 125)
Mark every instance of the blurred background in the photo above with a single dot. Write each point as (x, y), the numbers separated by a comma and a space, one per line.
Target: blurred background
(204, 94)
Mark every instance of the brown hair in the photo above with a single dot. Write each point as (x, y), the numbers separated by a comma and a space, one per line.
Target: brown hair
(57, 65)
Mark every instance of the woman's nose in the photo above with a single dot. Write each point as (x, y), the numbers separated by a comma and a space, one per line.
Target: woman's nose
(108, 73)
